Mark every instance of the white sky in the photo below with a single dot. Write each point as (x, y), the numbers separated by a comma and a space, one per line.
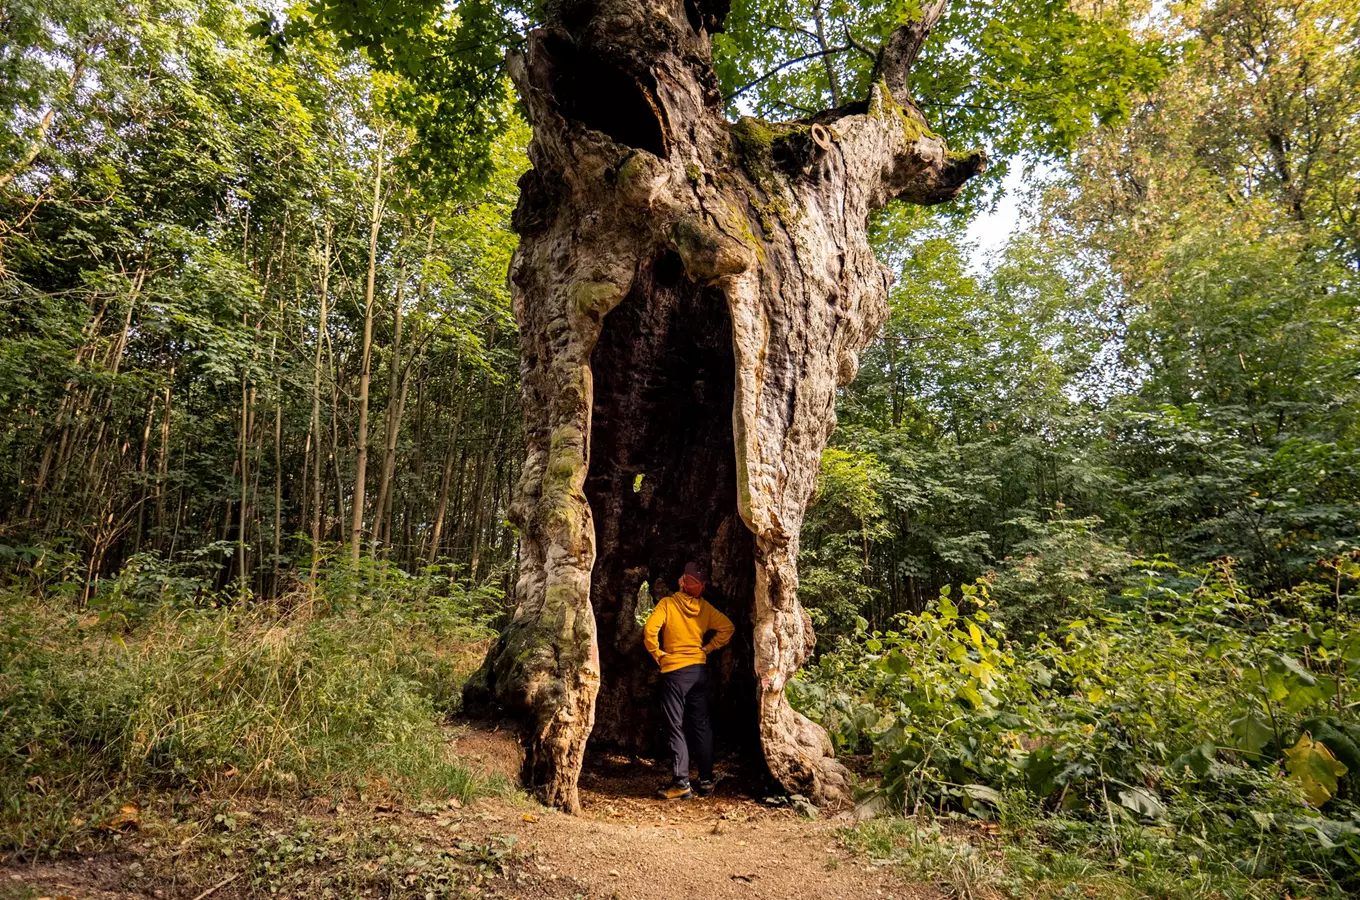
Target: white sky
(987, 234)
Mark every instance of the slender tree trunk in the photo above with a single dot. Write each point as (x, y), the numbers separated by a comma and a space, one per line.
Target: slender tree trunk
(304, 517)
(480, 513)
(396, 398)
(278, 437)
(456, 520)
(163, 460)
(243, 464)
(390, 465)
(673, 266)
(114, 363)
(60, 427)
(468, 513)
(446, 478)
(356, 532)
(278, 487)
(398, 374)
(318, 507)
(74, 436)
(144, 489)
(335, 453)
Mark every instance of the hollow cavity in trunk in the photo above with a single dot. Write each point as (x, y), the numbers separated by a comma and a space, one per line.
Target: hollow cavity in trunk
(662, 489)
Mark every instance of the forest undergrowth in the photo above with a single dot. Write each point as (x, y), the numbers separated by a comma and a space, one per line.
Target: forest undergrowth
(1180, 737)
(153, 689)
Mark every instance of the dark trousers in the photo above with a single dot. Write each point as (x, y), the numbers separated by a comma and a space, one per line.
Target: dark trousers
(684, 701)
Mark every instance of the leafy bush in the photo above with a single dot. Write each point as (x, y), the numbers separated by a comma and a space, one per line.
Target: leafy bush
(1201, 721)
(1062, 570)
(97, 706)
(843, 525)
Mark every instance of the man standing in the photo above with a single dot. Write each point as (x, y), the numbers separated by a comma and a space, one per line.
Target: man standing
(682, 655)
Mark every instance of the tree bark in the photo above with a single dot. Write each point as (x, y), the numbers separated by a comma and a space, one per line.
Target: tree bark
(318, 510)
(356, 532)
(690, 292)
(396, 405)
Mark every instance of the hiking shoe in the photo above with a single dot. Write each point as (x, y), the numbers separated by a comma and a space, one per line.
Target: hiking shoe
(676, 791)
(706, 788)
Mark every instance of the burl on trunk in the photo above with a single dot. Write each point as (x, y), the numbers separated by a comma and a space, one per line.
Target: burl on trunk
(690, 291)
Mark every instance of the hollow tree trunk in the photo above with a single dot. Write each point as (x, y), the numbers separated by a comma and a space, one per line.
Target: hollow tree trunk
(690, 292)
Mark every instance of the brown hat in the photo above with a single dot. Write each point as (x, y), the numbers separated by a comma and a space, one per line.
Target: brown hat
(697, 572)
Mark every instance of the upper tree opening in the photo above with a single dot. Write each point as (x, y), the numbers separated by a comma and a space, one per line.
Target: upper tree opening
(606, 97)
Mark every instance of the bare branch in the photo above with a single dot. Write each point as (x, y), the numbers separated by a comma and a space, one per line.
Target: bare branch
(784, 65)
(859, 45)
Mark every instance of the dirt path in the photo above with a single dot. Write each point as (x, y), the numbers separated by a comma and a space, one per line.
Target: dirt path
(625, 845)
(630, 846)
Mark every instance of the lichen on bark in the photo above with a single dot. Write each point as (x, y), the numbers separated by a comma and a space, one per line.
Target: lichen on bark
(718, 279)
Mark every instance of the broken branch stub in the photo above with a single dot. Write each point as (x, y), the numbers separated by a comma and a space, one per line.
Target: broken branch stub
(711, 274)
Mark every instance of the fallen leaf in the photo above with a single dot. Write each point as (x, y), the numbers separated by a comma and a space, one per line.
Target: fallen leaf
(530, 818)
(128, 817)
(455, 803)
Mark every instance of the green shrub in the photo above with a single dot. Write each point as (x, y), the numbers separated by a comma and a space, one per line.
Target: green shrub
(1062, 570)
(1204, 723)
(95, 708)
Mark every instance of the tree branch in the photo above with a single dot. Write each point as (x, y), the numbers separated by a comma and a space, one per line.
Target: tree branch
(831, 78)
(36, 145)
(899, 51)
(859, 46)
(779, 68)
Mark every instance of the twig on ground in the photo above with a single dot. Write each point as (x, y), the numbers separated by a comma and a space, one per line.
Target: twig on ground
(221, 884)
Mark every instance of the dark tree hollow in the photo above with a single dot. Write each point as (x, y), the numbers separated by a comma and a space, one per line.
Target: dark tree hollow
(662, 491)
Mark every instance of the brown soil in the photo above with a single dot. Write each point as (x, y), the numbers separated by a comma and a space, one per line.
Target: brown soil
(625, 845)
(489, 748)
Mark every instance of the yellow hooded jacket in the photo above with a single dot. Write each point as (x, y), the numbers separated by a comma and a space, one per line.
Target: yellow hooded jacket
(685, 619)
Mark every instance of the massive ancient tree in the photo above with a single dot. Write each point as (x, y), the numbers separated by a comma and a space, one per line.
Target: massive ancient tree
(689, 291)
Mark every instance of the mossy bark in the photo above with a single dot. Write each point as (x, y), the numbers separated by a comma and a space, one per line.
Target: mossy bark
(717, 278)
